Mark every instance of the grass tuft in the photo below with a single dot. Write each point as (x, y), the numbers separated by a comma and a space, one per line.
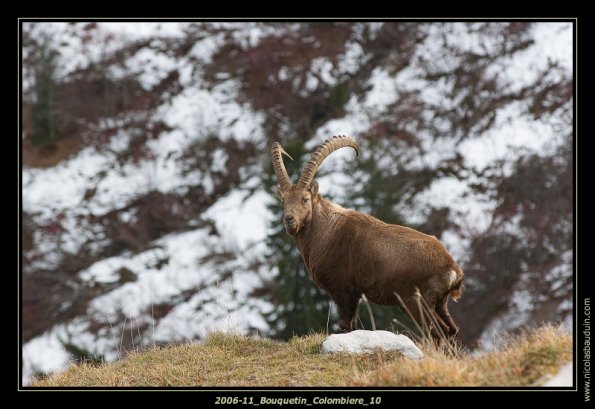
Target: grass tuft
(524, 360)
(235, 360)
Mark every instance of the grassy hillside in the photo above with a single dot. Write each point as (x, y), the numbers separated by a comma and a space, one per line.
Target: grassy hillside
(233, 360)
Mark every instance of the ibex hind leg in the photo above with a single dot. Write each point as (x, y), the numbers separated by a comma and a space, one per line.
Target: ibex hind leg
(438, 285)
(442, 311)
(445, 286)
(413, 305)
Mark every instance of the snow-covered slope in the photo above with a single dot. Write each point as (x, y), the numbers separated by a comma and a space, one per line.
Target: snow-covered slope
(175, 263)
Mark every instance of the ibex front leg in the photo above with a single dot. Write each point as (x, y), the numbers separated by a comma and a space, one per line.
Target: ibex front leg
(347, 304)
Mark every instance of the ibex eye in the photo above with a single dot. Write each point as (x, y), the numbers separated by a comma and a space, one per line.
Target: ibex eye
(305, 200)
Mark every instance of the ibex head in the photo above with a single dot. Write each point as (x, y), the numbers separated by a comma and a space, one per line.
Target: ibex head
(298, 199)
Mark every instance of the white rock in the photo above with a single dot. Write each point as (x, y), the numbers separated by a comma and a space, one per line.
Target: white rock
(562, 378)
(363, 341)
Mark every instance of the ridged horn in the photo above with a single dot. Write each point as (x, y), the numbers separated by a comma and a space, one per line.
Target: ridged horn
(321, 153)
(279, 166)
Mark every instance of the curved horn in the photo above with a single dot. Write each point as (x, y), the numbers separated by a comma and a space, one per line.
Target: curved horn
(321, 153)
(279, 166)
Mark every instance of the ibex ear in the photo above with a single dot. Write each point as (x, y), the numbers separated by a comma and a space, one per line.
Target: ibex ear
(279, 193)
(314, 187)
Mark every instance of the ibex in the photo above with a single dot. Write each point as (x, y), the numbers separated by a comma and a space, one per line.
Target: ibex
(349, 253)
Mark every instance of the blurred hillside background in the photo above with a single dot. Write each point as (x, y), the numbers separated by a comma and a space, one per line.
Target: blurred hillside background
(148, 201)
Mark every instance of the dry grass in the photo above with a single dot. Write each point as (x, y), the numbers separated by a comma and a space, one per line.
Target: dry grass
(227, 360)
(233, 360)
(523, 361)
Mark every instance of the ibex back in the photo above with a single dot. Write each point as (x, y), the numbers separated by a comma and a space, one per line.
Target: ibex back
(349, 253)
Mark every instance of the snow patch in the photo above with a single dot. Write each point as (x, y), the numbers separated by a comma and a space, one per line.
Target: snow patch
(241, 221)
(137, 30)
(352, 59)
(198, 113)
(44, 354)
(562, 378)
(384, 91)
(150, 66)
(155, 284)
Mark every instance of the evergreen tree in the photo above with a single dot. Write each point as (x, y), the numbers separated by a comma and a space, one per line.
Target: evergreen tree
(300, 306)
(45, 120)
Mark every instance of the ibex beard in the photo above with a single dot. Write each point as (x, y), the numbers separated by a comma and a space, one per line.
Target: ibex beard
(349, 254)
